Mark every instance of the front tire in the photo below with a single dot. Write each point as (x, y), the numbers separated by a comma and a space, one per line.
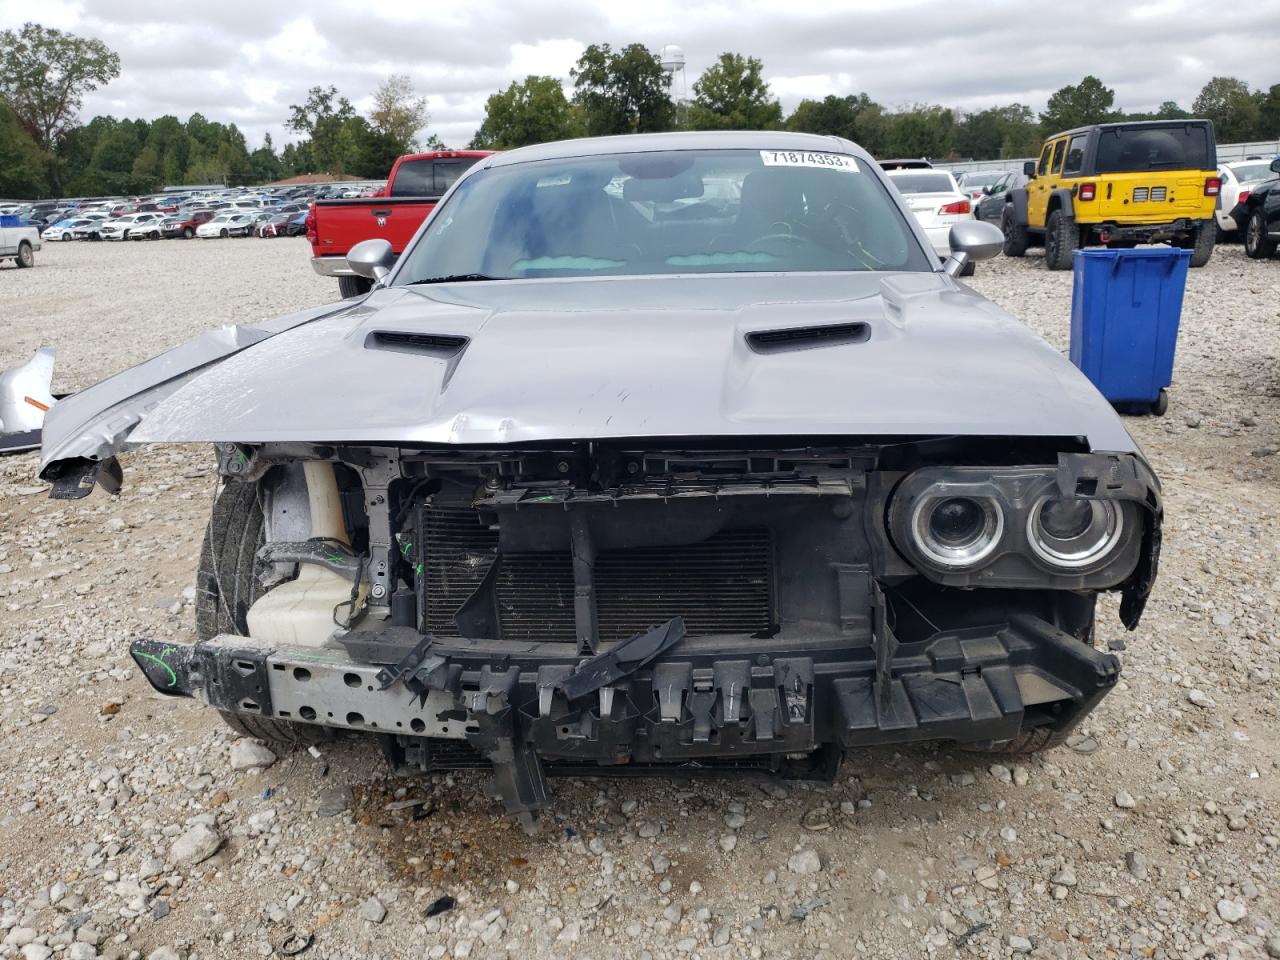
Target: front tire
(1257, 245)
(1061, 240)
(26, 256)
(226, 586)
(224, 233)
(188, 233)
(354, 286)
(1015, 234)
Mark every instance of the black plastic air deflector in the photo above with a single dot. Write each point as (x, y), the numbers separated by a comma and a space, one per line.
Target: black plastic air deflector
(804, 338)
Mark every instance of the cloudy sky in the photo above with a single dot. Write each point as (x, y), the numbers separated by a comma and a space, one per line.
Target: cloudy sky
(245, 61)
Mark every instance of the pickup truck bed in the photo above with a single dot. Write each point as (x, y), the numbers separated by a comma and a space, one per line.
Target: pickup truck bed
(414, 185)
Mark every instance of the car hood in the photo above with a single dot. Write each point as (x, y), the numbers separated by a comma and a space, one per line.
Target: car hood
(526, 361)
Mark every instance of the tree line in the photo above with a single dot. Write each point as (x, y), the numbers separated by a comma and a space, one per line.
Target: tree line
(45, 150)
(627, 91)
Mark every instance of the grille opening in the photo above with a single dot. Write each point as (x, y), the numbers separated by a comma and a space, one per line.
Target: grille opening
(724, 584)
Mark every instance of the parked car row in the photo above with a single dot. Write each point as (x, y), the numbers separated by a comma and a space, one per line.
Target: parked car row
(184, 224)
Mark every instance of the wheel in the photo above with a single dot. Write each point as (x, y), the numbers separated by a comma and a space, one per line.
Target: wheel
(1161, 406)
(155, 235)
(1200, 243)
(354, 286)
(227, 585)
(224, 233)
(1015, 234)
(1061, 240)
(188, 233)
(26, 256)
(1029, 741)
(1257, 244)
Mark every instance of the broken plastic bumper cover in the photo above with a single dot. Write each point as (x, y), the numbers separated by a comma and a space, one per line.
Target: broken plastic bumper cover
(691, 700)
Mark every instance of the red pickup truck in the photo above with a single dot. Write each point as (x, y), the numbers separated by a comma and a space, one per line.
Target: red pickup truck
(416, 182)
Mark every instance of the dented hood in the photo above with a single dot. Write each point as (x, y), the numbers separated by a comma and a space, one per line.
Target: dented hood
(521, 361)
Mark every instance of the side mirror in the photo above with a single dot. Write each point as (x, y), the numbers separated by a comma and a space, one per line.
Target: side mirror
(972, 240)
(1029, 169)
(372, 259)
(1275, 165)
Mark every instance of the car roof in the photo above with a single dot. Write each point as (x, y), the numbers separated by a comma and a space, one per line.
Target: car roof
(1124, 124)
(682, 140)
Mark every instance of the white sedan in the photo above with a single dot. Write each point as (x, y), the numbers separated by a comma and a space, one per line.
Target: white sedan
(120, 227)
(936, 201)
(226, 225)
(63, 229)
(1237, 179)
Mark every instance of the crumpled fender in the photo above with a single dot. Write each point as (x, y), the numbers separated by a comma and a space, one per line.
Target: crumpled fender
(92, 426)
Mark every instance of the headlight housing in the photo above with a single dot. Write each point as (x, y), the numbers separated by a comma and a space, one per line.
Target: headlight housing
(1011, 527)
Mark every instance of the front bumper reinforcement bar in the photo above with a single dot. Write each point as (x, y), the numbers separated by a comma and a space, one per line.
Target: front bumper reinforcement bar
(695, 703)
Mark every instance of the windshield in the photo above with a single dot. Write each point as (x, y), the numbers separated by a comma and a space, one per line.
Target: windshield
(981, 179)
(1137, 149)
(1247, 172)
(922, 183)
(666, 212)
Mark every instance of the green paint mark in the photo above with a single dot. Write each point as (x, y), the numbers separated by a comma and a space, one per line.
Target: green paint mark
(417, 569)
(173, 677)
(333, 557)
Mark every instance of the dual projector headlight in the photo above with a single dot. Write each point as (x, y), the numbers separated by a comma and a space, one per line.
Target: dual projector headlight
(1009, 522)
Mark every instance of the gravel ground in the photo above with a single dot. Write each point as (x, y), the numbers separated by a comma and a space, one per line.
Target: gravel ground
(135, 826)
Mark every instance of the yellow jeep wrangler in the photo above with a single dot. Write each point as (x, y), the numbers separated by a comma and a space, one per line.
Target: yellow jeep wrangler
(1118, 184)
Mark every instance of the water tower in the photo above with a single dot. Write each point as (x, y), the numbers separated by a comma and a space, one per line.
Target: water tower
(672, 60)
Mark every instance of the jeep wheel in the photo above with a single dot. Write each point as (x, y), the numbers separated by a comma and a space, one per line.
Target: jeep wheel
(26, 256)
(1030, 741)
(1061, 240)
(1015, 234)
(1257, 244)
(226, 586)
(354, 286)
(1200, 243)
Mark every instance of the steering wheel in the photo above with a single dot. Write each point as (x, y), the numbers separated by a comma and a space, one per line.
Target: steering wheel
(785, 238)
(841, 219)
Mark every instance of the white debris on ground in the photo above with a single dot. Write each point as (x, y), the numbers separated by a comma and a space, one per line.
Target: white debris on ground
(136, 826)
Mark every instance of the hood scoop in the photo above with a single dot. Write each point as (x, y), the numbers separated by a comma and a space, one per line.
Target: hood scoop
(441, 346)
(805, 338)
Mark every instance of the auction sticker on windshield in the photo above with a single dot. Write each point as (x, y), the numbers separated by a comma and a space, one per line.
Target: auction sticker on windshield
(807, 158)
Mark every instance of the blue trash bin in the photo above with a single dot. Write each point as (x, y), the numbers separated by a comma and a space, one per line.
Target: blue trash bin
(1125, 308)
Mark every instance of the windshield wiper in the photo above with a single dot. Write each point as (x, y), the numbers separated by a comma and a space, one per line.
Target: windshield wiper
(456, 278)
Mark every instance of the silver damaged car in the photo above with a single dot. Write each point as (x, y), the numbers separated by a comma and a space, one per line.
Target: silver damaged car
(668, 454)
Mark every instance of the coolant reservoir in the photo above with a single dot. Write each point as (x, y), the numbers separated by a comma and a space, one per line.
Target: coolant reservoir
(302, 611)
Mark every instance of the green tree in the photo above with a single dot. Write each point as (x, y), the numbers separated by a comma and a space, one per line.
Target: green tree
(264, 163)
(624, 92)
(997, 132)
(534, 111)
(44, 75)
(1232, 108)
(398, 112)
(23, 165)
(295, 158)
(1076, 106)
(321, 118)
(924, 130)
(733, 95)
(1269, 114)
